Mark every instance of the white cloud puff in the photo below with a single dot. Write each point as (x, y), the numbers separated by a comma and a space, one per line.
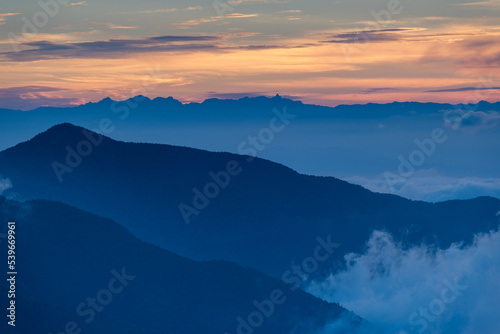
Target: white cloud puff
(420, 289)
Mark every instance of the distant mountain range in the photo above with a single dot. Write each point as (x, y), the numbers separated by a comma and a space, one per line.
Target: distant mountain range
(142, 109)
(344, 141)
(168, 113)
(206, 205)
(78, 272)
(254, 103)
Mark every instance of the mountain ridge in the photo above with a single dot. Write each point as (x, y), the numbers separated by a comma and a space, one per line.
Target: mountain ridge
(266, 206)
(161, 290)
(170, 100)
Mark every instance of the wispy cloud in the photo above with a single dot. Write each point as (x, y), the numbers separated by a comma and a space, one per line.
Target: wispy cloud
(3, 17)
(29, 97)
(478, 50)
(124, 48)
(81, 3)
(5, 184)
(366, 36)
(461, 89)
(168, 10)
(195, 22)
(194, 8)
(396, 34)
(378, 90)
(111, 48)
(488, 3)
(239, 15)
(154, 11)
(111, 25)
(23, 91)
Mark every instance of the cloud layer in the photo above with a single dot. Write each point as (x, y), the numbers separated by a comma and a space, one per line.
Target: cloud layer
(112, 48)
(421, 289)
(430, 186)
(328, 53)
(31, 97)
(5, 184)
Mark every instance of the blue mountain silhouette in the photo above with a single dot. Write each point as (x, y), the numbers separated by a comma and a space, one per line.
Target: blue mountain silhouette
(267, 217)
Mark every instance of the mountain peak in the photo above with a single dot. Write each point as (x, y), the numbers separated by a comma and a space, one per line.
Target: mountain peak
(106, 100)
(61, 129)
(136, 99)
(139, 98)
(62, 134)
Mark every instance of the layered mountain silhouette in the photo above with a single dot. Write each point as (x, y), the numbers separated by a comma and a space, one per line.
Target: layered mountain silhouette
(266, 215)
(214, 107)
(89, 274)
(163, 113)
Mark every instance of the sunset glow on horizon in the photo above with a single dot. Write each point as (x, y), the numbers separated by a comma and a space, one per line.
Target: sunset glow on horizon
(339, 52)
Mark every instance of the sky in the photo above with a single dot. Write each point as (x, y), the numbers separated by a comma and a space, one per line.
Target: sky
(58, 53)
